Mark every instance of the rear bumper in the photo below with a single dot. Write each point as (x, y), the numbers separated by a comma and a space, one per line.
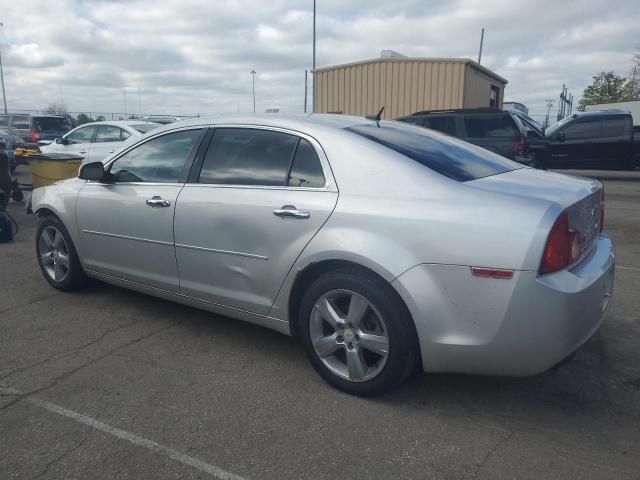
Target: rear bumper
(517, 327)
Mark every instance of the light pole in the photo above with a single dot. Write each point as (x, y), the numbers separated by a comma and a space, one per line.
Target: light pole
(313, 90)
(253, 88)
(4, 96)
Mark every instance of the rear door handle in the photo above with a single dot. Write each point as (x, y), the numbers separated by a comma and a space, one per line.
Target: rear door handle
(289, 211)
(158, 202)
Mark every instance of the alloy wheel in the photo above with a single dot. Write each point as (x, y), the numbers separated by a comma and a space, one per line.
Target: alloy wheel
(54, 253)
(349, 335)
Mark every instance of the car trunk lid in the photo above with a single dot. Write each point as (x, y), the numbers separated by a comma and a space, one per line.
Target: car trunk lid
(579, 196)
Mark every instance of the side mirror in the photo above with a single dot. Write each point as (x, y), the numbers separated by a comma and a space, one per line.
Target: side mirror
(532, 134)
(559, 136)
(59, 140)
(92, 171)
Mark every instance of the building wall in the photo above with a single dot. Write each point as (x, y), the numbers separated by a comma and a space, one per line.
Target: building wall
(478, 88)
(402, 86)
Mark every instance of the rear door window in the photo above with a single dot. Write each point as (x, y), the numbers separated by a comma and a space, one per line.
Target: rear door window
(615, 127)
(489, 126)
(306, 170)
(244, 156)
(445, 124)
(108, 133)
(446, 155)
(55, 124)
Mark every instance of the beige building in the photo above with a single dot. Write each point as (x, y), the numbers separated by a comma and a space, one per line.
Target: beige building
(406, 85)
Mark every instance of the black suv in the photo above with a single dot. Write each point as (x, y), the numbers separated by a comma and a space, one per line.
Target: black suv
(505, 132)
(34, 128)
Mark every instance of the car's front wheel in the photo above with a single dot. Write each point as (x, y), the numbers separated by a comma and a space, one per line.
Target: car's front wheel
(357, 332)
(57, 255)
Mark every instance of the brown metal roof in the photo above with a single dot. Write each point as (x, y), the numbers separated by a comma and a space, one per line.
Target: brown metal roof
(468, 61)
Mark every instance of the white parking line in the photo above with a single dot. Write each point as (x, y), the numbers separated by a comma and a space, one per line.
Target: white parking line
(135, 439)
(627, 267)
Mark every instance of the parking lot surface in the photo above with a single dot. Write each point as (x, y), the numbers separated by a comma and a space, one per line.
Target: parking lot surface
(109, 383)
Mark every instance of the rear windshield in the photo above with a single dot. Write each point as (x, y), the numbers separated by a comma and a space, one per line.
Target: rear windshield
(56, 124)
(446, 155)
(145, 127)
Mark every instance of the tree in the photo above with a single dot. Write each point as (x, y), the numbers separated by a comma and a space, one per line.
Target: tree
(100, 118)
(56, 109)
(607, 87)
(83, 118)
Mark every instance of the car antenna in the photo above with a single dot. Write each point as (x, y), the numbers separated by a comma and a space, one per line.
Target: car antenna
(376, 118)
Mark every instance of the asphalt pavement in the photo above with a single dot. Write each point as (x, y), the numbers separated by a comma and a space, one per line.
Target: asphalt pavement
(109, 383)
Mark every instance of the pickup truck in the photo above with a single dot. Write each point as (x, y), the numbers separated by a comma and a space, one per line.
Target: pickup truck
(602, 139)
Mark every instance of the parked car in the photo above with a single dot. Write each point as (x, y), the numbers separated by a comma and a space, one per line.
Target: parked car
(602, 139)
(34, 128)
(500, 131)
(9, 143)
(382, 245)
(97, 140)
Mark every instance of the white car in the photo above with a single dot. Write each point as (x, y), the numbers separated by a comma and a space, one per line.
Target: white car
(97, 140)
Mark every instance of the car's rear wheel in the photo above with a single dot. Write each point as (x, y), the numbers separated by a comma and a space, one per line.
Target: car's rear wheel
(357, 332)
(57, 255)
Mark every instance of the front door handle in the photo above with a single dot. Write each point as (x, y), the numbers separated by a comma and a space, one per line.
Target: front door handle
(82, 151)
(158, 202)
(289, 211)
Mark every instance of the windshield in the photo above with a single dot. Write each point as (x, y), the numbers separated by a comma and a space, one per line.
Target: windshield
(57, 124)
(557, 126)
(145, 127)
(446, 155)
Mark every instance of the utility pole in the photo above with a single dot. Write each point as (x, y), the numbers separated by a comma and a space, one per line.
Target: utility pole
(124, 96)
(633, 83)
(313, 93)
(253, 88)
(481, 42)
(305, 91)
(4, 96)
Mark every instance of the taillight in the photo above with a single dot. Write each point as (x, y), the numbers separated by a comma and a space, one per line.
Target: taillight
(519, 146)
(602, 208)
(563, 246)
(35, 136)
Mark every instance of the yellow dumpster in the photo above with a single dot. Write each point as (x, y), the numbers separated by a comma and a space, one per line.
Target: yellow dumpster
(49, 168)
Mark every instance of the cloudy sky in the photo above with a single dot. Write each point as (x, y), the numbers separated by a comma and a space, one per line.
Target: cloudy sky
(194, 56)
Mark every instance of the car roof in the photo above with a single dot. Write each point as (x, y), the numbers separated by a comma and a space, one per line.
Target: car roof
(461, 110)
(591, 113)
(119, 123)
(298, 122)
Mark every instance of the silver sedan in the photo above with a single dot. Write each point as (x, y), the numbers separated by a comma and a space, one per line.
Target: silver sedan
(383, 246)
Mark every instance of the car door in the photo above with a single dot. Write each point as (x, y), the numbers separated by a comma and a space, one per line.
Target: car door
(246, 215)
(108, 139)
(76, 142)
(613, 146)
(126, 225)
(573, 146)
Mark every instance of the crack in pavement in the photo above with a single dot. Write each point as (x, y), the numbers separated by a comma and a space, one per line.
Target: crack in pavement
(55, 381)
(37, 300)
(490, 453)
(61, 355)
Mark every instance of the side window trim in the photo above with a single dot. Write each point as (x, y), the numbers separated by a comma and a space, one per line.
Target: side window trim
(183, 178)
(194, 174)
(293, 156)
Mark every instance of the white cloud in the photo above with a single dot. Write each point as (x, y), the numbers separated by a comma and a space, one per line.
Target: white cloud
(194, 56)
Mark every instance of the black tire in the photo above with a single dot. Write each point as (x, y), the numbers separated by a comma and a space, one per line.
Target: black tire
(402, 338)
(75, 278)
